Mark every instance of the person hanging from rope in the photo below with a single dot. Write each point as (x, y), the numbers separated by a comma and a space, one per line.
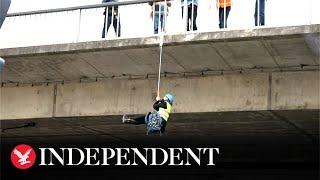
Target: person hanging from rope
(157, 120)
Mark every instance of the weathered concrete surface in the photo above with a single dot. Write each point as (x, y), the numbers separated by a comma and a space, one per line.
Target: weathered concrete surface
(110, 65)
(220, 93)
(198, 94)
(233, 92)
(169, 39)
(294, 91)
(109, 97)
(268, 49)
(26, 102)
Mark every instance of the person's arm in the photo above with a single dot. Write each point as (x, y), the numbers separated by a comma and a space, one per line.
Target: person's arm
(160, 104)
(217, 4)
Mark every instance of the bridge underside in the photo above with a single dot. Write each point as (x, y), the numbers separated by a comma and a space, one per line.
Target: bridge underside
(265, 118)
(260, 69)
(267, 49)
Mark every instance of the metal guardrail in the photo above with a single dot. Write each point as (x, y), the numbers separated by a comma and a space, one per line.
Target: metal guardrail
(75, 24)
(79, 7)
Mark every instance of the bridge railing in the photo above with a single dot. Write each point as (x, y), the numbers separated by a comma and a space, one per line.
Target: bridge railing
(142, 18)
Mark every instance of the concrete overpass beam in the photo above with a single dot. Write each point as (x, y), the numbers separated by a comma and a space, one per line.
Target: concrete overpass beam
(295, 90)
(232, 92)
(26, 102)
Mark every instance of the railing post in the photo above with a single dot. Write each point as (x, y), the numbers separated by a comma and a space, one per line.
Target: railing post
(79, 26)
(153, 17)
(112, 20)
(118, 30)
(310, 11)
(185, 15)
(107, 21)
(192, 15)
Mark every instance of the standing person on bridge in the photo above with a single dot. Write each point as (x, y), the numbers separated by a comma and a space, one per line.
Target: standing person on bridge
(192, 11)
(111, 16)
(159, 14)
(155, 121)
(224, 7)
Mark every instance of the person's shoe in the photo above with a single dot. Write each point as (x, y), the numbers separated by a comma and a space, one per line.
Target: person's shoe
(127, 120)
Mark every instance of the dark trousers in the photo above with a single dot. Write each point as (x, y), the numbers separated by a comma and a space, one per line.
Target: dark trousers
(158, 18)
(107, 24)
(140, 119)
(221, 17)
(260, 14)
(192, 18)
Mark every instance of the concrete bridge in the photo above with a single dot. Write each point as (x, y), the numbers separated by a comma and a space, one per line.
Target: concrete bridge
(254, 93)
(237, 70)
(247, 91)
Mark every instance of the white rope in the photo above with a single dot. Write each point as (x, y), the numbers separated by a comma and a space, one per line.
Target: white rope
(161, 39)
(159, 74)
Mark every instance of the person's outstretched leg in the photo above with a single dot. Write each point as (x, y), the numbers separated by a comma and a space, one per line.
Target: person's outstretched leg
(140, 119)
